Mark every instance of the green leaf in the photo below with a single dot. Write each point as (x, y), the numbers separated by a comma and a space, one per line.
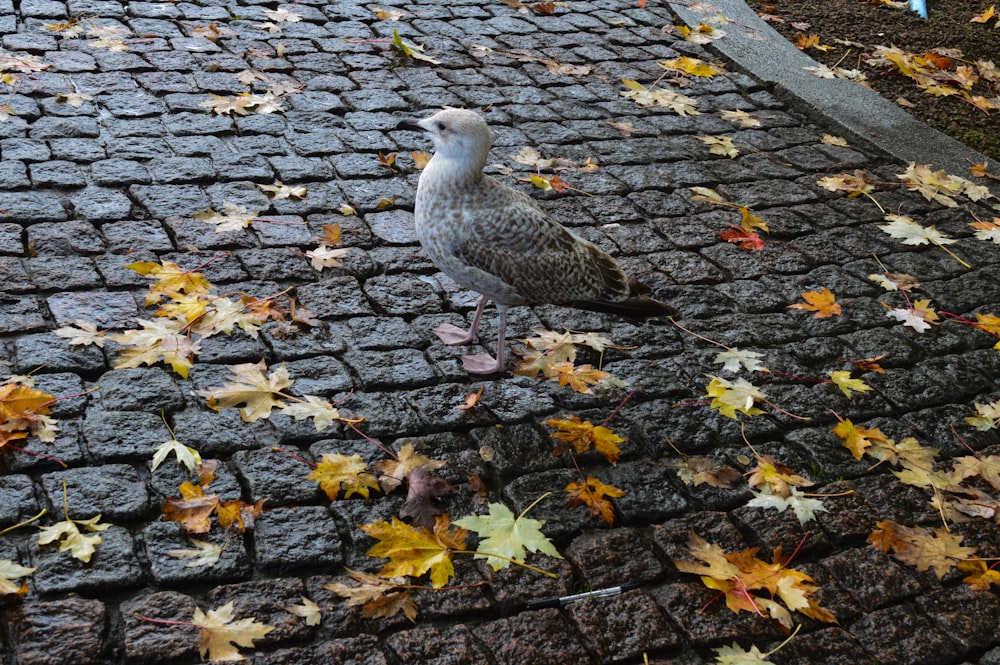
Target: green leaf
(502, 533)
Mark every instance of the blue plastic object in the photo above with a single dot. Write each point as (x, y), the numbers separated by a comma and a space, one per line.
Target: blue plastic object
(919, 6)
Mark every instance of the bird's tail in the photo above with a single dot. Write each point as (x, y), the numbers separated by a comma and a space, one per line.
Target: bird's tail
(638, 305)
(635, 307)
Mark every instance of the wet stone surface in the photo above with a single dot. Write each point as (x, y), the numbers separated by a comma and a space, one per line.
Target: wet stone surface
(86, 191)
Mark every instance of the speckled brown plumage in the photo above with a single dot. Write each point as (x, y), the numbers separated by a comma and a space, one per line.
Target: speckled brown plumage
(497, 241)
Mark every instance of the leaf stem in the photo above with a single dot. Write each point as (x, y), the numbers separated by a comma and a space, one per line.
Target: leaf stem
(508, 559)
(164, 622)
(705, 339)
(24, 523)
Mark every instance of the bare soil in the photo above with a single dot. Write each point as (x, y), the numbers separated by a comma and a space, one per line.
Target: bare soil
(871, 24)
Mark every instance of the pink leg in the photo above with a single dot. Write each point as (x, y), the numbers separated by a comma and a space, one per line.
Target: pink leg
(455, 336)
(483, 363)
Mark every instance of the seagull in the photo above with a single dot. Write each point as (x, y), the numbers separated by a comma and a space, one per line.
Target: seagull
(495, 240)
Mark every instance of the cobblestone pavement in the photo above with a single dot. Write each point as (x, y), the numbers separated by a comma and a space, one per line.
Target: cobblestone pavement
(92, 183)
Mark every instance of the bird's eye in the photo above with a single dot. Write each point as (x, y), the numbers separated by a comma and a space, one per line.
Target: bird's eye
(441, 126)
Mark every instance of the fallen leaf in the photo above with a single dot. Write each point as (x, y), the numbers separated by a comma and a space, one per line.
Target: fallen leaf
(249, 386)
(578, 435)
(805, 508)
(70, 537)
(411, 50)
(511, 537)
(279, 191)
(821, 302)
(745, 119)
(395, 471)
(728, 397)
(857, 438)
(186, 456)
(220, 633)
(919, 547)
(733, 359)
(414, 551)
(775, 477)
(232, 218)
(471, 399)
(720, 145)
(692, 66)
(10, 571)
(380, 598)
(980, 575)
(738, 574)
(203, 553)
(595, 495)
(842, 379)
(742, 238)
(327, 257)
(644, 98)
(698, 470)
(307, 610)
(336, 472)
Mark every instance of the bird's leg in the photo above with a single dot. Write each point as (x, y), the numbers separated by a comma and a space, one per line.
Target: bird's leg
(455, 336)
(484, 363)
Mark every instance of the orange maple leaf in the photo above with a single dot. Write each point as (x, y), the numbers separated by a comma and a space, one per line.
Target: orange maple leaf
(194, 514)
(821, 302)
(578, 378)
(594, 494)
(739, 574)
(239, 515)
(471, 399)
(579, 435)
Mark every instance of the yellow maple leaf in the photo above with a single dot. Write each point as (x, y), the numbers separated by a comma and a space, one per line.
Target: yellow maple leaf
(348, 472)
(577, 378)
(170, 279)
(777, 477)
(857, 438)
(220, 633)
(692, 66)
(980, 575)
(732, 396)
(985, 15)
(842, 379)
(739, 574)
(414, 551)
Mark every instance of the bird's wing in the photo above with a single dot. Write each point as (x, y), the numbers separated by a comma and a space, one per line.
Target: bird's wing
(513, 239)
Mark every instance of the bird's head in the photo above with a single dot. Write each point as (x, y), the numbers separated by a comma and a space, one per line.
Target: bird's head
(458, 134)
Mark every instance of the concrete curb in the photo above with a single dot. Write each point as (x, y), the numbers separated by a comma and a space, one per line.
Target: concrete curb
(847, 108)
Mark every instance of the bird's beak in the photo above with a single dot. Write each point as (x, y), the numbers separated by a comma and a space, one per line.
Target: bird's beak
(410, 126)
